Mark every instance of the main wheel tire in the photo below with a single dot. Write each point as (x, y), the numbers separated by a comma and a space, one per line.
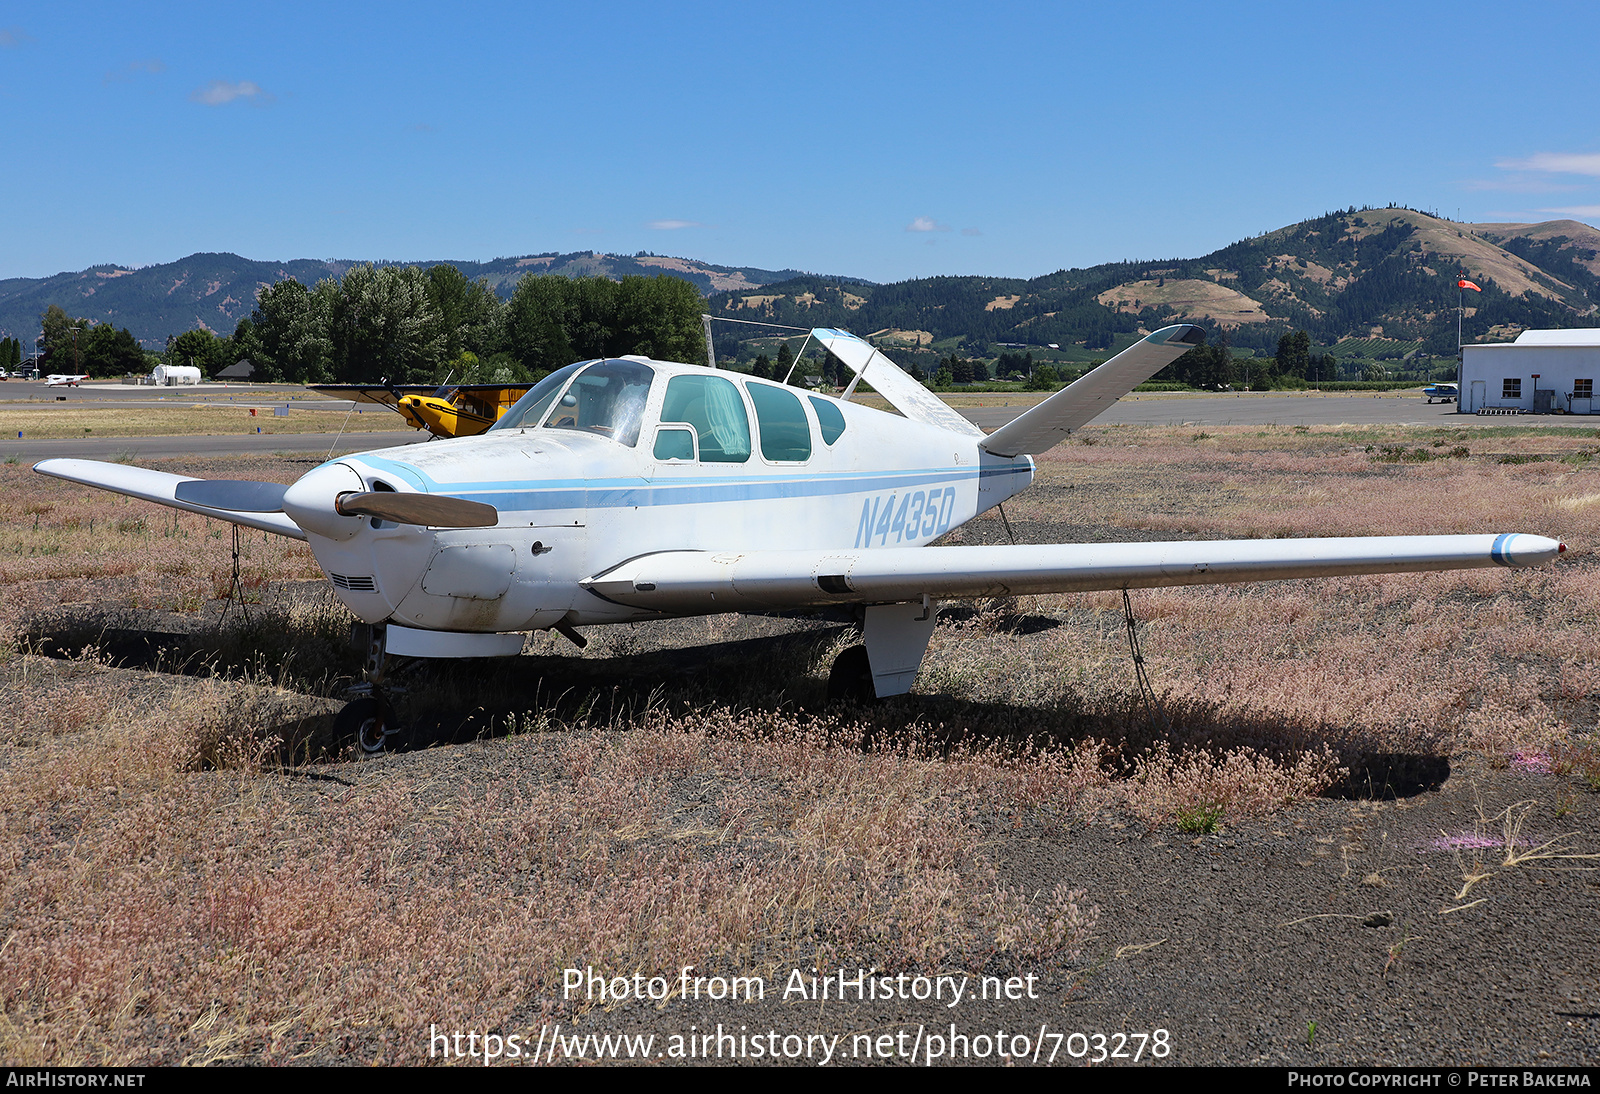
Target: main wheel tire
(370, 722)
(850, 681)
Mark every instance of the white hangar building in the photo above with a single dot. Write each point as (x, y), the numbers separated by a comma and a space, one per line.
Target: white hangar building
(1542, 372)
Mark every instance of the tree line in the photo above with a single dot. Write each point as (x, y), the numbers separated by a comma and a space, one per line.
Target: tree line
(410, 325)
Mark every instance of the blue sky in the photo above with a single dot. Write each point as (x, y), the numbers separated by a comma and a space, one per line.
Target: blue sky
(881, 140)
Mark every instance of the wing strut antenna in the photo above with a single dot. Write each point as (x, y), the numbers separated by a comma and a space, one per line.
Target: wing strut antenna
(707, 320)
(711, 354)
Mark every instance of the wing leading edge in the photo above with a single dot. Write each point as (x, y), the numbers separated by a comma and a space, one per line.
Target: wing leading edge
(687, 582)
(161, 488)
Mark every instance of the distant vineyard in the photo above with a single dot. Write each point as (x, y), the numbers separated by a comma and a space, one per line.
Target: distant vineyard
(1374, 347)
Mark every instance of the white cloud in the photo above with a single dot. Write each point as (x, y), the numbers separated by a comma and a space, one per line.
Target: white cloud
(970, 232)
(674, 225)
(11, 37)
(222, 92)
(1561, 163)
(1576, 210)
(926, 224)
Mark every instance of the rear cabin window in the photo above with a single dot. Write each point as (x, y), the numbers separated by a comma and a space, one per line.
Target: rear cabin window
(830, 418)
(712, 406)
(785, 432)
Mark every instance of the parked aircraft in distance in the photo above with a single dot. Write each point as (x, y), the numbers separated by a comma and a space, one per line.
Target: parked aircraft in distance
(461, 410)
(58, 379)
(1445, 393)
(630, 489)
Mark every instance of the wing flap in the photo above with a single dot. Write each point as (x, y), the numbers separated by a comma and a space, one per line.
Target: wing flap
(704, 582)
(1075, 405)
(161, 488)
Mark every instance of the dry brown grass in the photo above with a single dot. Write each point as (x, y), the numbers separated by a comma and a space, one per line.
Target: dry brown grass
(198, 419)
(181, 887)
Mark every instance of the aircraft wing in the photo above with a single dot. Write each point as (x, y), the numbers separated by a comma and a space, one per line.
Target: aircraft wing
(893, 383)
(1075, 405)
(373, 393)
(161, 488)
(691, 582)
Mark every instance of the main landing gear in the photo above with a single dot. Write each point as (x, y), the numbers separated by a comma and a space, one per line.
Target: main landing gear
(369, 718)
(850, 681)
(893, 639)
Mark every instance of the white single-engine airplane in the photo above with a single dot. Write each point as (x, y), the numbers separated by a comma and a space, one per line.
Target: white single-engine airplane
(62, 379)
(628, 489)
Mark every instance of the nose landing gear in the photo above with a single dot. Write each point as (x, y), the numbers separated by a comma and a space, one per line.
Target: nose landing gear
(369, 718)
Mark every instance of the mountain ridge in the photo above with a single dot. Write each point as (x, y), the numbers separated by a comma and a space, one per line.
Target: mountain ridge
(1387, 273)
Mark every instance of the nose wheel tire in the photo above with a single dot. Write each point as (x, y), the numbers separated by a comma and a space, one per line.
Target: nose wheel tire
(371, 723)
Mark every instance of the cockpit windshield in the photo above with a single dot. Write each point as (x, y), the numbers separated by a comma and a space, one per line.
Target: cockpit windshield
(532, 407)
(603, 397)
(607, 398)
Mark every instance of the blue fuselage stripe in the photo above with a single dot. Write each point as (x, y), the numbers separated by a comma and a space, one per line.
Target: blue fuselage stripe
(526, 495)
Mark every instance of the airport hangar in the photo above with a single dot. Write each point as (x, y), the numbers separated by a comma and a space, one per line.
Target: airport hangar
(1542, 372)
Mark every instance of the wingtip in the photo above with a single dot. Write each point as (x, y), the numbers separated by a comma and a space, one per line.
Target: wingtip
(1179, 334)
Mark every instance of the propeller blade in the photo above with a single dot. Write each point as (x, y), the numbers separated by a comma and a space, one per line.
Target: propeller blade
(434, 510)
(233, 495)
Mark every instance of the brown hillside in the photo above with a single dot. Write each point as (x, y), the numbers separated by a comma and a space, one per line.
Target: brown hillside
(1190, 299)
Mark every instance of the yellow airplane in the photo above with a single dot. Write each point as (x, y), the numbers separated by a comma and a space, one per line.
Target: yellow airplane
(462, 410)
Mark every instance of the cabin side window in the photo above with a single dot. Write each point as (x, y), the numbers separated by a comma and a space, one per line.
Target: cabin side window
(785, 432)
(829, 417)
(1511, 388)
(711, 405)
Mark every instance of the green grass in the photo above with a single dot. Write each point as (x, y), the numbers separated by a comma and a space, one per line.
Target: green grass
(1200, 820)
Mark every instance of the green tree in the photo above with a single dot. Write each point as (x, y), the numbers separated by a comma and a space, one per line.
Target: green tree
(287, 336)
(659, 317)
(535, 329)
(1294, 354)
(469, 314)
(200, 348)
(383, 324)
(57, 340)
(106, 351)
(785, 362)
